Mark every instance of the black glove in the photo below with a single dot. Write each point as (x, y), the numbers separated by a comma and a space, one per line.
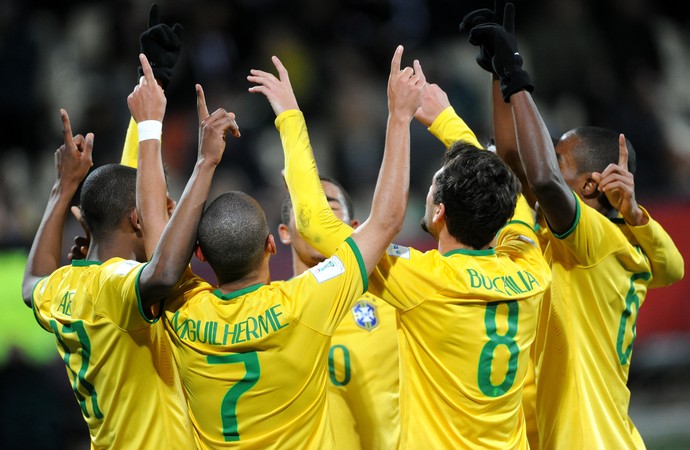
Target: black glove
(499, 42)
(481, 17)
(161, 44)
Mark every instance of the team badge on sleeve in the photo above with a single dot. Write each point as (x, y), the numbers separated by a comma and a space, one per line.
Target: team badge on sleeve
(399, 251)
(330, 268)
(366, 315)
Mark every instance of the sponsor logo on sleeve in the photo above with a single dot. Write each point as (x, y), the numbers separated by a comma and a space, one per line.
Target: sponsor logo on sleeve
(398, 251)
(330, 268)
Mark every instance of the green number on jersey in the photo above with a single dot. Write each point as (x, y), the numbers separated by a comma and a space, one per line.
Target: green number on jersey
(486, 358)
(228, 408)
(346, 365)
(80, 386)
(630, 300)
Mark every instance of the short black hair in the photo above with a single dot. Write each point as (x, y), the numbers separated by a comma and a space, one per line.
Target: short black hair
(597, 147)
(479, 192)
(286, 207)
(108, 195)
(232, 235)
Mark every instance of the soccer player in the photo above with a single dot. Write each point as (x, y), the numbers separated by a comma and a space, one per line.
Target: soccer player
(252, 356)
(605, 252)
(467, 311)
(363, 363)
(118, 359)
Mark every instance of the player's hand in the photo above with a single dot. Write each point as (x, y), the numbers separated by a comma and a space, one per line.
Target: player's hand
(73, 159)
(404, 87)
(481, 17)
(147, 101)
(618, 184)
(278, 91)
(213, 128)
(162, 44)
(434, 101)
(80, 248)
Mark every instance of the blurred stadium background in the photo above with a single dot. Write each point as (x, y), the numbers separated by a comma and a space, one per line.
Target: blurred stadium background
(615, 63)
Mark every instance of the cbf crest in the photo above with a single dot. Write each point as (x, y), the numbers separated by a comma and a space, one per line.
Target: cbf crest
(366, 315)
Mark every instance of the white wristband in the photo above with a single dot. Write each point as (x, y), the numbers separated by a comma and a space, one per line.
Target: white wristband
(149, 129)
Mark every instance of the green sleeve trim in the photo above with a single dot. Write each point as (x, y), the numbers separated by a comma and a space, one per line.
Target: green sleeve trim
(141, 307)
(575, 222)
(360, 262)
(33, 306)
(237, 293)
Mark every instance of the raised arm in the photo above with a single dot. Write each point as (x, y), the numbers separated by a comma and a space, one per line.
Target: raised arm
(174, 250)
(534, 142)
(436, 113)
(72, 161)
(162, 44)
(501, 112)
(389, 203)
(618, 183)
(314, 217)
(147, 106)
(390, 198)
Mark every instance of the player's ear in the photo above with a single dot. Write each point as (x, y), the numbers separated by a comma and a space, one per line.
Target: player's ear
(271, 245)
(284, 234)
(134, 222)
(439, 213)
(589, 188)
(198, 253)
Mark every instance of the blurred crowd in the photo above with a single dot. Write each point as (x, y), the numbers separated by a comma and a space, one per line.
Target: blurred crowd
(614, 63)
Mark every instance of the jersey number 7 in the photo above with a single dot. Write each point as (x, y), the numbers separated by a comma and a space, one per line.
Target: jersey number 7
(228, 408)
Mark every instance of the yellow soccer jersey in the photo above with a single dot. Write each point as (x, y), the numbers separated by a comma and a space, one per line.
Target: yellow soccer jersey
(448, 128)
(586, 333)
(254, 362)
(363, 369)
(467, 321)
(119, 363)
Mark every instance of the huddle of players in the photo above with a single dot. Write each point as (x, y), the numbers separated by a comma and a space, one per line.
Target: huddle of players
(508, 337)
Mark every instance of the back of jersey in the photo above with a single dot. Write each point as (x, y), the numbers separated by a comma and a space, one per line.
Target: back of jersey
(254, 361)
(467, 321)
(119, 362)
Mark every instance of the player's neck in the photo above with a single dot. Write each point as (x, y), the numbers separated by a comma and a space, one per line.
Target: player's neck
(298, 266)
(261, 276)
(103, 251)
(447, 243)
(449, 247)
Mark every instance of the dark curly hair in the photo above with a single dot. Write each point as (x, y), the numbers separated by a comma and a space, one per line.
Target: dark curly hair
(479, 192)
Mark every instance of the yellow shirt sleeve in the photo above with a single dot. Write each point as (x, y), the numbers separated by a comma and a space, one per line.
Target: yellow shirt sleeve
(665, 259)
(315, 220)
(130, 152)
(449, 127)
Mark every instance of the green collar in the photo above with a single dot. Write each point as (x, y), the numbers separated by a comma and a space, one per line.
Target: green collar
(85, 262)
(470, 252)
(238, 293)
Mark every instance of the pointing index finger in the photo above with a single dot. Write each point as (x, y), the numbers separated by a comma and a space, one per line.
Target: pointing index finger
(153, 15)
(66, 128)
(395, 62)
(201, 107)
(622, 152)
(148, 71)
